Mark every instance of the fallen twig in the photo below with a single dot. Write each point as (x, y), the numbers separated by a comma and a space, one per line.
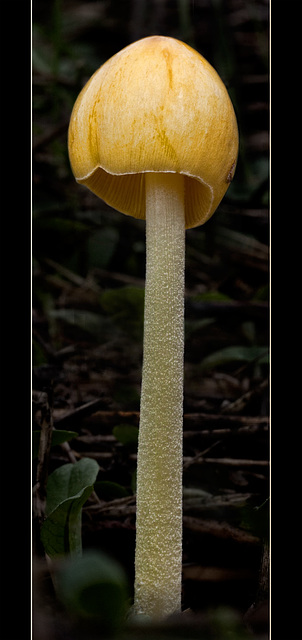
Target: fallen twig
(219, 530)
(39, 490)
(230, 462)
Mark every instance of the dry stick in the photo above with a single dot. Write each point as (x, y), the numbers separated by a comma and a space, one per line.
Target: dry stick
(80, 412)
(39, 491)
(73, 277)
(214, 418)
(221, 530)
(248, 430)
(199, 457)
(230, 462)
(241, 402)
(120, 277)
(67, 448)
(119, 507)
(47, 429)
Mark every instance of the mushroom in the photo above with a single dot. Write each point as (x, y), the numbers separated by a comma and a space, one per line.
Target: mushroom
(154, 134)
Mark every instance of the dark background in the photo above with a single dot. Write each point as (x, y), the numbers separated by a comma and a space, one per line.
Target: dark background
(88, 279)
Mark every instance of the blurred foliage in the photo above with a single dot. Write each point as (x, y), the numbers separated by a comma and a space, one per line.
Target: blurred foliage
(107, 490)
(94, 591)
(127, 434)
(126, 308)
(235, 353)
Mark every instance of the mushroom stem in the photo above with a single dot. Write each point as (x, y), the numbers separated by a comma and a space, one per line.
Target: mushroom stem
(158, 559)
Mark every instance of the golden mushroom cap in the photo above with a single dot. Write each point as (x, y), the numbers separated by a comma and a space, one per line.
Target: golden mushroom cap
(156, 106)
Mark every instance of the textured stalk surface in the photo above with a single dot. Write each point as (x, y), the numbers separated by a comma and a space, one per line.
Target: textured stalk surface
(158, 560)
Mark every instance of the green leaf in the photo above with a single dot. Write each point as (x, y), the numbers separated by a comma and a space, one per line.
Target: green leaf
(94, 588)
(39, 356)
(68, 489)
(66, 481)
(197, 325)
(107, 490)
(126, 307)
(211, 296)
(88, 321)
(61, 225)
(235, 354)
(127, 434)
(58, 437)
(101, 246)
(61, 531)
(262, 294)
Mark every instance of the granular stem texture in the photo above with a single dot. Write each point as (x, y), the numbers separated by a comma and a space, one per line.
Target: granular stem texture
(158, 558)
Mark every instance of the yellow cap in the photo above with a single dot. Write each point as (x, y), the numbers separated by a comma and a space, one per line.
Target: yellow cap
(157, 105)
